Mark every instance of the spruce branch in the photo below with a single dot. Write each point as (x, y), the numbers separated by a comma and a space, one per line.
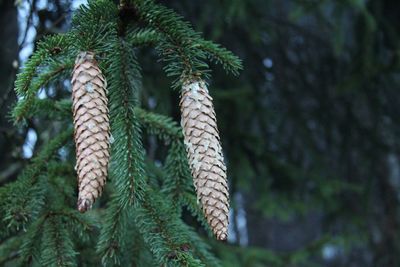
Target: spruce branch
(161, 126)
(48, 108)
(9, 249)
(134, 205)
(178, 183)
(180, 46)
(163, 232)
(81, 224)
(57, 246)
(93, 24)
(201, 249)
(127, 161)
(156, 124)
(189, 200)
(21, 200)
(178, 179)
(127, 164)
(49, 46)
(139, 253)
(48, 240)
(54, 72)
(221, 55)
(31, 242)
(111, 241)
(143, 37)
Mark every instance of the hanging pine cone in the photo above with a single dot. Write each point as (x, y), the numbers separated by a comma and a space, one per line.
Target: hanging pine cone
(205, 156)
(92, 128)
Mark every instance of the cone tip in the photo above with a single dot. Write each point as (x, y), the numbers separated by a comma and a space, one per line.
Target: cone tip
(222, 237)
(84, 205)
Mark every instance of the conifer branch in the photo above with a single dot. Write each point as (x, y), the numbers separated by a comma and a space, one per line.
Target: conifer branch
(52, 230)
(201, 248)
(50, 46)
(162, 126)
(55, 70)
(178, 183)
(144, 37)
(127, 164)
(111, 241)
(215, 52)
(57, 247)
(93, 25)
(9, 249)
(178, 178)
(178, 46)
(157, 124)
(78, 222)
(153, 215)
(48, 108)
(189, 201)
(138, 250)
(221, 55)
(125, 86)
(178, 41)
(17, 204)
(163, 232)
(30, 244)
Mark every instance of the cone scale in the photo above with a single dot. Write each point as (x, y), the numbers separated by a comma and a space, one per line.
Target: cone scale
(92, 128)
(204, 151)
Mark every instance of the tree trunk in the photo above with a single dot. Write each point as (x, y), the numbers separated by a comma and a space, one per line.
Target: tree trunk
(9, 54)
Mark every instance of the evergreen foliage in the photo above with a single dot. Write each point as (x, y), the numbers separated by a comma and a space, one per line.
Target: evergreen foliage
(309, 129)
(139, 220)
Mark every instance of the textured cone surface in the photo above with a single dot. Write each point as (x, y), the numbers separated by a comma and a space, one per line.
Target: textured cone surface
(205, 156)
(92, 128)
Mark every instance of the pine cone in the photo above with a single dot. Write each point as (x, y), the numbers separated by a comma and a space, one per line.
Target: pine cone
(92, 128)
(205, 156)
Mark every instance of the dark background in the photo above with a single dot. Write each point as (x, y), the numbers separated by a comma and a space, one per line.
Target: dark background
(310, 128)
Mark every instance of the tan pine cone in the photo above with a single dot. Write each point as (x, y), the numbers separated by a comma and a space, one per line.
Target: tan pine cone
(205, 156)
(92, 128)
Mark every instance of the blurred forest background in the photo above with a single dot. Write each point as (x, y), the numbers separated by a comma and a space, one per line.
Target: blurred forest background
(310, 128)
